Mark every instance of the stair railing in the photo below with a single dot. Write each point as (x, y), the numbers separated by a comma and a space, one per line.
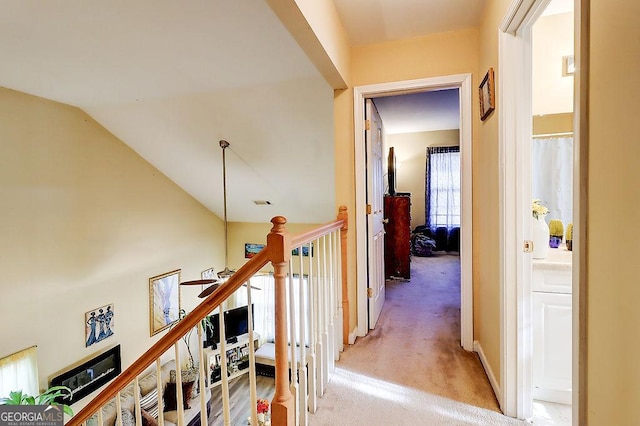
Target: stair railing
(318, 333)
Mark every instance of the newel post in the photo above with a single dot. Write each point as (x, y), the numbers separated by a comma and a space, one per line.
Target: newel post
(342, 215)
(282, 405)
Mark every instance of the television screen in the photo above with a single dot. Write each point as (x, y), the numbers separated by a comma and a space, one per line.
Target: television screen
(236, 322)
(391, 171)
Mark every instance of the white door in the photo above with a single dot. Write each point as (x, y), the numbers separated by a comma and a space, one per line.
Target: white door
(375, 226)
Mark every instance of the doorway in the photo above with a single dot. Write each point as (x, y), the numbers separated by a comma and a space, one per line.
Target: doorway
(463, 83)
(516, 130)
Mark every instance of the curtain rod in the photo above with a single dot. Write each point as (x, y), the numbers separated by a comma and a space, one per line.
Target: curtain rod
(552, 135)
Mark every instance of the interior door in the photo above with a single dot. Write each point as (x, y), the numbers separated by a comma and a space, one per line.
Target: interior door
(375, 225)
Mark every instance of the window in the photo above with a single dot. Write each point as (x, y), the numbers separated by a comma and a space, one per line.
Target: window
(19, 371)
(443, 187)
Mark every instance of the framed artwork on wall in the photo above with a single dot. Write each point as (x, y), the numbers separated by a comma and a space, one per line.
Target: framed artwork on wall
(251, 250)
(487, 95)
(208, 274)
(164, 300)
(99, 324)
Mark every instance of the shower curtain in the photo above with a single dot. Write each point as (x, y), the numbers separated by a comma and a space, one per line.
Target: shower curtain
(552, 176)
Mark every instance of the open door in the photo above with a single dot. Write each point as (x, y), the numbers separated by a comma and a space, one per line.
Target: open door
(375, 214)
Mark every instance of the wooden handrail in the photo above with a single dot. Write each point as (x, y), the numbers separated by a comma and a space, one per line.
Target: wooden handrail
(214, 300)
(316, 233)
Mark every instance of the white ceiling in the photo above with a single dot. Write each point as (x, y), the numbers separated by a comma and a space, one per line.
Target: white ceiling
(376, 21)
(420, 112)
(170, 79)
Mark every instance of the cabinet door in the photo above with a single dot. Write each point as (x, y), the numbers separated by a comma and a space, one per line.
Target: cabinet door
(552, 347)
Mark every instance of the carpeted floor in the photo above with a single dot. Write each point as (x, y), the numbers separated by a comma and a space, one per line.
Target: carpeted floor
(411, 369)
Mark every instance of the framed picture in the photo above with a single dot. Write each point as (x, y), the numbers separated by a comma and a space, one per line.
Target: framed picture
(305, 250)
(99, 324)
(251, 250)
(164, 300)
(208, 274)
(487, 95)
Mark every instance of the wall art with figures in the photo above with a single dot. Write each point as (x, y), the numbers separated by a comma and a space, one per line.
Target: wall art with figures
(99, 324)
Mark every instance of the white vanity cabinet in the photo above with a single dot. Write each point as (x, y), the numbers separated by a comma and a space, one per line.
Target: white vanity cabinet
(552, 316)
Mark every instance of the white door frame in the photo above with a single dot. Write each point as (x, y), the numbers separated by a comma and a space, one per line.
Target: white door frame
(360, 93)
(515, 130)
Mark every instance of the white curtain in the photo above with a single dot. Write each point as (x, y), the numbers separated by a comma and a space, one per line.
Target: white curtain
(443, 187)
(19, 371)
(552, 176)
(264, 308)
(262, 297)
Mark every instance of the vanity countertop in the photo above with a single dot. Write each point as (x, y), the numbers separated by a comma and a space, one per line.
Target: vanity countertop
(558, 259)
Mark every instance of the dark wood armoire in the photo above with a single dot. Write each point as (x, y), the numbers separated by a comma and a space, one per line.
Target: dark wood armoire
(397, 239)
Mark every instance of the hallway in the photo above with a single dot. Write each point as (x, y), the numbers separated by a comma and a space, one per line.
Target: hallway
(411, 369)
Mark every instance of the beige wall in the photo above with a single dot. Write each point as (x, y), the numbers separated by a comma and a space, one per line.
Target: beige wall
(613, 385)
(552, 123)
(552, 38)
(486, 262)
(410, 150)
(86, 222)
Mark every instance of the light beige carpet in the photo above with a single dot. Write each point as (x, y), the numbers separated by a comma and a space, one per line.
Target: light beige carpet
(411, 370)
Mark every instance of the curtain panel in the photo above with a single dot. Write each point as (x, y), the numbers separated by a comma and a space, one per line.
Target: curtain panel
(442, 187)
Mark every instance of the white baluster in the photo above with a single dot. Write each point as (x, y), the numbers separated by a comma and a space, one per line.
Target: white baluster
(252, 361)
(311, 359)
(302, 374)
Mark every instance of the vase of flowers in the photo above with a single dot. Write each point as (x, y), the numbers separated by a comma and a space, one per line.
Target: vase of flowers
(539, 230)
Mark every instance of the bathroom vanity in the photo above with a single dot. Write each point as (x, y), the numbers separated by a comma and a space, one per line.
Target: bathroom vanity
(552, 316)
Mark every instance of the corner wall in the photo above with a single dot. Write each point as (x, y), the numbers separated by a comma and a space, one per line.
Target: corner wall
(86, 222)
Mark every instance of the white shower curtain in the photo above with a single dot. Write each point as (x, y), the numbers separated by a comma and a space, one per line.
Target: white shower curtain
(552, 176)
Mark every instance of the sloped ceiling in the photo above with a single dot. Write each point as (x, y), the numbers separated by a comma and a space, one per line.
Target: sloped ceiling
(171, 79)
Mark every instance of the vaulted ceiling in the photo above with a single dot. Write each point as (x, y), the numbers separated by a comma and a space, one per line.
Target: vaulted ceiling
(170, 79)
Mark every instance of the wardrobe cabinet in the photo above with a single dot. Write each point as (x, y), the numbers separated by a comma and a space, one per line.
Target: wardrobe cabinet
(397, 239)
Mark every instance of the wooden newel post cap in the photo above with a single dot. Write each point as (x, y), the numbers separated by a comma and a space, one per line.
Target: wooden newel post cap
(278, 241)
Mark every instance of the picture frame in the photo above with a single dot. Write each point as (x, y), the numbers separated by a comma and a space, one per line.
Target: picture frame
(164, 300)
(305, 251)
(568, 66)
(251, 249)
(208, 274)
(487, 95)
(99, 324)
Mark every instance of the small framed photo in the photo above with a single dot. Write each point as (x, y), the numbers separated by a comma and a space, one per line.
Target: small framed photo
(164, 300)
(208, 274)
(487, 95)
(568, 66)
(251, 250)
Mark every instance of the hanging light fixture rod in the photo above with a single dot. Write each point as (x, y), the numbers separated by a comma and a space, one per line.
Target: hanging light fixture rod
(226, 273)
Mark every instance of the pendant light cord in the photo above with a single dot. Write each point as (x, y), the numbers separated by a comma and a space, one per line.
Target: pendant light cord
(224, 144)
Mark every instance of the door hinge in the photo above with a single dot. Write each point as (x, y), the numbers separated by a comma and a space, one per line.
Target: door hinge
(367, 124)
(527, 247)
(370, 292)
(368, 208)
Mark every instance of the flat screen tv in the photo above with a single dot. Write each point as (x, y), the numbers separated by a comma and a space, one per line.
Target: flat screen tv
(391, 171)
(236, 322)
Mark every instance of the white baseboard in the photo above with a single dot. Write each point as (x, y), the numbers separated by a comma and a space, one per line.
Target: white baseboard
(487, 368)
(352, 335)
